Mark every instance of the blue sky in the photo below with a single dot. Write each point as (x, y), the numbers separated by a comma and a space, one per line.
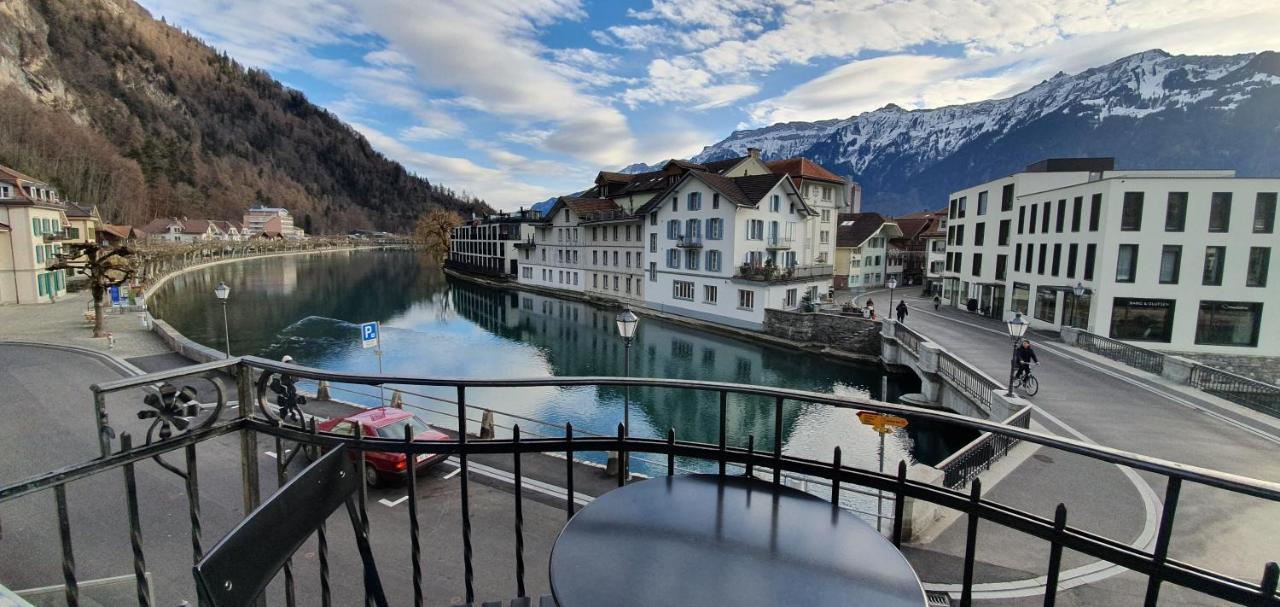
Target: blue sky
(518, 101)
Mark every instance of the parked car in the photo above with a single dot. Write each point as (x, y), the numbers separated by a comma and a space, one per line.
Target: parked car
(387, 422)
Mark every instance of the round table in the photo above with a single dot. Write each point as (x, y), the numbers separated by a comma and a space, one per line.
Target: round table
(713, 540)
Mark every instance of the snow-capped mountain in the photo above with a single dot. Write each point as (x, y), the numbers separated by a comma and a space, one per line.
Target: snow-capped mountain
(1149, 110)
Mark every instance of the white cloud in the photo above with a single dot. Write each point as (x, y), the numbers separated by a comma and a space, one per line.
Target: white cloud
(690, 86)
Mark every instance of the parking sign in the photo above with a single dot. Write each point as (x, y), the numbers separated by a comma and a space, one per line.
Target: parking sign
(369, 334)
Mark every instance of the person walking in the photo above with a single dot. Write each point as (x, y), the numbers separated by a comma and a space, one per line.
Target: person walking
(1023, 357)
(870, 310)
(902, 311)
(937, 303)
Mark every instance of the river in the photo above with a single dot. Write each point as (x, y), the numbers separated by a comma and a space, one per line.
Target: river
(309, 306)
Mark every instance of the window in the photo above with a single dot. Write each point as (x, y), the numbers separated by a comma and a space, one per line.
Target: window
(824, 237)
(1264, 213)
(673, 258)
(595, 258)
(693, 229)
(1001, 262)
(1142, 319)
(1021, 295)
(1131, 213)
(1095, 212)
(1031, 225)
(653, 242)
(1002, 238)
(755, 229)
(775, 203)
(675, 204)
(39, 254)
(1044, 226)
(951, 235)
(694, 201)
(826, 215)
(653, 271)
(615, 234)
(615, 258)
(1073, 250)
(1259, 259)
(1006, 198)
(1090, 255)
(1062, 216)
(1046, 304)
(789, 298)
(979, 234)
(1077, 209)
(1017, 258)
(962, 203)
(595, 280)
(1214, 257)
(653, 218)
(35, 226)
(977, 264)
(691, 260)
(615, 282)
(1030, 256)
(673, 229)
(1041, 258)
(982, 202)
(960, 236)
(715, 200)
(1228, 323)
(1170, 264)
(1057, 258)
(713, 261)
(1126, 263)
(715, 228)
(746, 299)
(952, 209)
(682, 289)
(1022, 217)
(1175, 212)
(1220, 212)
(709, 294)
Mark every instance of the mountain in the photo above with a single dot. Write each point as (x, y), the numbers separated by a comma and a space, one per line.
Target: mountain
(134, 115)
(1150, 110)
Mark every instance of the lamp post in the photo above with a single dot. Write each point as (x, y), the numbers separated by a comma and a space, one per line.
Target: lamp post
(1017, 327)
(627, 324)
(222, 292)
(892, 284)
(1078, 290)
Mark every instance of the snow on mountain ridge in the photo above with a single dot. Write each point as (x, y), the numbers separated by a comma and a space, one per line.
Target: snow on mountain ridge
(1140, 84)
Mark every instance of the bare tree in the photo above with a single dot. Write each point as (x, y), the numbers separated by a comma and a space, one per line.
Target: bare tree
(434, 230)
(105, 265)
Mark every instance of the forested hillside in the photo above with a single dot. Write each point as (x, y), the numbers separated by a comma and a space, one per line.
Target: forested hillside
(136, 116)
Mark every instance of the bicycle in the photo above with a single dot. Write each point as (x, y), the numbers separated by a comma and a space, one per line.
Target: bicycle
(1027, 384)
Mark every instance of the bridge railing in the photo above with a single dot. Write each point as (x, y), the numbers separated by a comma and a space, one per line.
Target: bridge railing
(1239, 389)
(1129, 354)
(908, 337)
(253, 419)
(963, 466)
(967, 378)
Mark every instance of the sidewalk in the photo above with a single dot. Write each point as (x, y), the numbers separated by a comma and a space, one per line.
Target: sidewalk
(62, 323)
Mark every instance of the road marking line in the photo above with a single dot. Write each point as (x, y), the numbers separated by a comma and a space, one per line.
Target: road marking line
(271, 454)
(390, 504)
(452, 474)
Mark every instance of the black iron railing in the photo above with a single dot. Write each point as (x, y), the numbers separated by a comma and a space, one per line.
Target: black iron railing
(968, 379)
(1239, 389)
(1141, 358)
(184, 425)
(963, 466)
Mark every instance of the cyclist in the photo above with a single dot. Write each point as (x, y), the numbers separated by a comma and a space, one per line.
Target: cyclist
(1024, 356)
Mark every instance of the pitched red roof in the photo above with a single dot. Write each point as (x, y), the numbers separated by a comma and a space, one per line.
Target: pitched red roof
(803, 168)
(925, 214)
(122, 232)
(583, 206)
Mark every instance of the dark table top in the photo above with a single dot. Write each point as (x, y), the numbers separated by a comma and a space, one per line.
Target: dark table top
(712, 540)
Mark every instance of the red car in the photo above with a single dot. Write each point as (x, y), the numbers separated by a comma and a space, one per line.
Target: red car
(387, 422)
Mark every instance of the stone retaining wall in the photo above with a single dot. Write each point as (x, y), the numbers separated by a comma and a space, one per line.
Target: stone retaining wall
(180, 344)
(1262, 368)
(849, 333)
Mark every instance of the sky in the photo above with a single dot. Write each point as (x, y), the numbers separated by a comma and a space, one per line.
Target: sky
(517, 101)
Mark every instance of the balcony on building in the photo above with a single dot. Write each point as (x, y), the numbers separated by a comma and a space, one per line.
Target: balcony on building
(771, 273)
(527, 243)
(689, 241)
(776, 242)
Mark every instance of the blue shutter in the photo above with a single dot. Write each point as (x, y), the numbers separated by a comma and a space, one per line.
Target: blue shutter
(35, 226)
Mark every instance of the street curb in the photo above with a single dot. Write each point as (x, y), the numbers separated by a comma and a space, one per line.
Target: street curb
(125, 367)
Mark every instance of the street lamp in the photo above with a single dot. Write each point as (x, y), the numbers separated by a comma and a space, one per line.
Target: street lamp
(892, 284)
(1017, 328)
(627, 324)
(1078, 291)
(222, 292)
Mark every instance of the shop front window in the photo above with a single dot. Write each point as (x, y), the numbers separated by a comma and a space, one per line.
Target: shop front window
(1228, 323)
(1021, 296)
(1046, 304)
(1135, 319)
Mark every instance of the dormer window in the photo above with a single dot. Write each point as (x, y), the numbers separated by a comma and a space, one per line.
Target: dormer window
(5, 191)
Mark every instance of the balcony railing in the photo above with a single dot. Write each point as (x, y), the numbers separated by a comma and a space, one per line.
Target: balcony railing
(775, 242)
(55, 236)
(608, 215)
(689, 242)
(527, 243)
(772, 274)
(253, 419)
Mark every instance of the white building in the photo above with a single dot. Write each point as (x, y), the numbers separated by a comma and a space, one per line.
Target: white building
(826, 193)
(862, 241)
(724, 249)
(491, 245)
(1170, 260)
(271, 221)
(554, 258)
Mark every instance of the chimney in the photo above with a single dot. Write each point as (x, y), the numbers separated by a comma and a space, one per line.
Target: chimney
(753, 152)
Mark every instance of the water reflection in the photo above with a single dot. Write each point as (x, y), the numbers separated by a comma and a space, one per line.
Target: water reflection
(309, 307)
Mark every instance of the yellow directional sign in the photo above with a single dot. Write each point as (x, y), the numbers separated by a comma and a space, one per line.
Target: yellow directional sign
(882, 422)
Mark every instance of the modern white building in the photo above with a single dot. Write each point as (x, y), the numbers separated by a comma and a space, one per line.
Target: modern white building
(491, 245)
(724, 249)
(270, 221)
(1170, 260)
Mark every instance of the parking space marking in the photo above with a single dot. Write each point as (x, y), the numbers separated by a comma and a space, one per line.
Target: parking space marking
(452, 474)
(390, 504)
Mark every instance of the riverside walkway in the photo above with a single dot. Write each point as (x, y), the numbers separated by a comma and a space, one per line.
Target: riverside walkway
(1094, 399)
